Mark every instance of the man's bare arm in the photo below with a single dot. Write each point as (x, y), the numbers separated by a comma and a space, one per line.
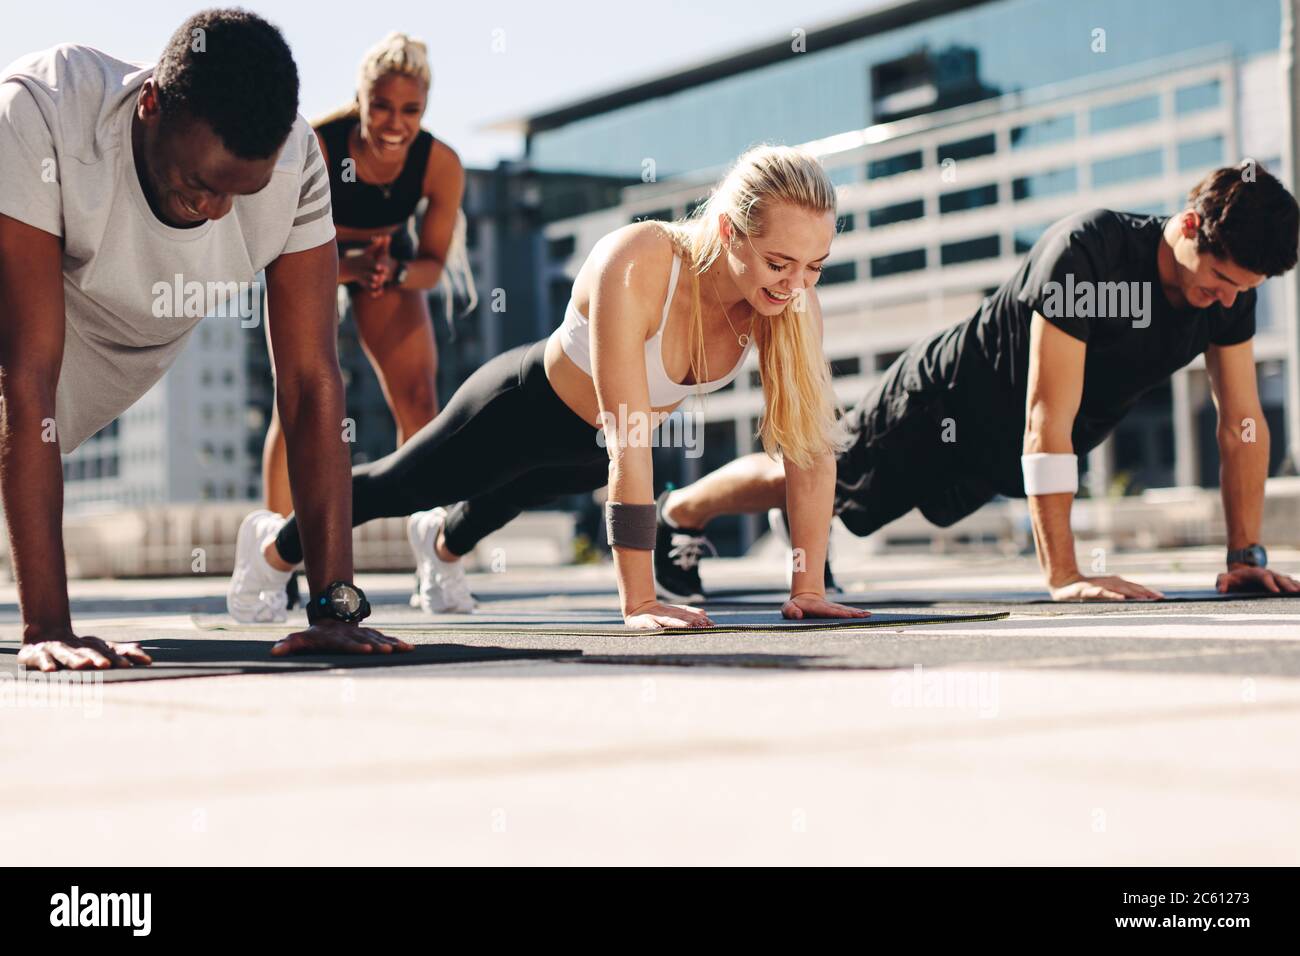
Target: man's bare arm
(31, 472)
(1055, 390)
(1243, 441)
(301, 290)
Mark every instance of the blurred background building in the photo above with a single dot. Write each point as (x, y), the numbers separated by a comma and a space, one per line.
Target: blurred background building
(955, 130)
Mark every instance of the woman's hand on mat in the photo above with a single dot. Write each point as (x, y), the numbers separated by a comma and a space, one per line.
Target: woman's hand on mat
(810, 604)
(653, 614)
(62, 649)
(1106, 588)
(338, 637)
(1246, 578)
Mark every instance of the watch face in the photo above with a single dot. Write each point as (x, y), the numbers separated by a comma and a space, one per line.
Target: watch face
(1257, 556)
(345, 600)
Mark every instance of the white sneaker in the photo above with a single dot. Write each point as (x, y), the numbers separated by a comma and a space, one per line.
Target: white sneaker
(256, 594)
(442, 585)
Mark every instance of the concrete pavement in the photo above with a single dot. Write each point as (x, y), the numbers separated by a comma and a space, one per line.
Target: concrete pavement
(1156, 734)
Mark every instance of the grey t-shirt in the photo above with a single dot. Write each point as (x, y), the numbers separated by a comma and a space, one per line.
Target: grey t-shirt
(68, 169)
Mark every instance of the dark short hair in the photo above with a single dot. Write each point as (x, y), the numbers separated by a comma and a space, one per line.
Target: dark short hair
(240, 79)
(1247, 216)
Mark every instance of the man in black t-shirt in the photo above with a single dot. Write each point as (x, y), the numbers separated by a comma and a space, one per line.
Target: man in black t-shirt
(1106, 306)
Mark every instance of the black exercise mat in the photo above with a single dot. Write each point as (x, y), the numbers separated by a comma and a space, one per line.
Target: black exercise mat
(609, 624)
(752, 597)
(218, 657)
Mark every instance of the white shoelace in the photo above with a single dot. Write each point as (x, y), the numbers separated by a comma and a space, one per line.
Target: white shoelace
(687, 549)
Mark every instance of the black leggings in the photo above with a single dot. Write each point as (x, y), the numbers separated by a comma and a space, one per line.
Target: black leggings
(505, 442)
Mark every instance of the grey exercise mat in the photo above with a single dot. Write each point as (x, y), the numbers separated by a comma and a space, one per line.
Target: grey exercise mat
(744, 598)
(217, 657)
(609, 624)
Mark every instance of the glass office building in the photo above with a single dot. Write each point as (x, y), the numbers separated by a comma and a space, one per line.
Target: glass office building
(955, 132)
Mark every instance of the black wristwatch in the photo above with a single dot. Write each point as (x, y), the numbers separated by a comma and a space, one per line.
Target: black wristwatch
(339, 601)
(1254, 555)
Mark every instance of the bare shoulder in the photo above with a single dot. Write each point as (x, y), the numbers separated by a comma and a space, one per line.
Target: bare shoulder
(443, 168)
(637, 257)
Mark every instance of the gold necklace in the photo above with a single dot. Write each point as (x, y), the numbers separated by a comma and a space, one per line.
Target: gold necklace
(742, 339)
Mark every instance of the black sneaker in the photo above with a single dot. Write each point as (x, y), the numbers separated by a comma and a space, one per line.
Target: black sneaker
(677, 558)
(779, 522)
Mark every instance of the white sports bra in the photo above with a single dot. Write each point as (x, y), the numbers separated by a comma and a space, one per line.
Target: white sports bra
(575, 338)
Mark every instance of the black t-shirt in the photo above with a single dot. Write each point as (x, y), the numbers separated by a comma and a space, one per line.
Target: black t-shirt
(1093, 275)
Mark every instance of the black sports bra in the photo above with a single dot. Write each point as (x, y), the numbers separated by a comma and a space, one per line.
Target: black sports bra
(364, 205)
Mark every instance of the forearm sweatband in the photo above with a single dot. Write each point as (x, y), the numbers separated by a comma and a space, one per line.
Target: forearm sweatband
(630, 526)
(1050, 474)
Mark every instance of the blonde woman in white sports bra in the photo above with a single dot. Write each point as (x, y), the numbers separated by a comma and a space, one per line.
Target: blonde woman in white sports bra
(659, 311)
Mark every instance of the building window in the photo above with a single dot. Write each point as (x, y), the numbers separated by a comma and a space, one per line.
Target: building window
(845, 223)
(964, 199)
(1024, 237)
(898, 212)
(846, 366)
(893, 165)
(984, 145)
(844, 175)
(1044, 132)
(1131, 166)
(1128, 113)
(1040, 185)
(839, 272)
(1193, 99)
(1195, 153)
(883, 360)
(970, 250)
(560, 247)
(897, 262)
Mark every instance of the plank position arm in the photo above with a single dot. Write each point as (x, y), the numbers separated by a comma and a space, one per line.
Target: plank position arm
(622, 317)
(309, 398)
(1243, 440)
(31, 472)
(1055, 390)
(810, 503)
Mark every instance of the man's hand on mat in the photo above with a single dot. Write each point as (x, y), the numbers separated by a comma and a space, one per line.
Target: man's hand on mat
(63, 649)
(337, 637)
(654, 614)
(1256, 579)
(810, 604)
(1106, 588)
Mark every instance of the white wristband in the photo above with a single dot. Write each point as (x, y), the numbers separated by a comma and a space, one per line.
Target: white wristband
(1050, 474)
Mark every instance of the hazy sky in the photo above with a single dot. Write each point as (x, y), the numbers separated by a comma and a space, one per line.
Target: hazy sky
(555, 50)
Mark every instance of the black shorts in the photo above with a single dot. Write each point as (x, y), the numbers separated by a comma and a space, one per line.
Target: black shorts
(922, 443)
